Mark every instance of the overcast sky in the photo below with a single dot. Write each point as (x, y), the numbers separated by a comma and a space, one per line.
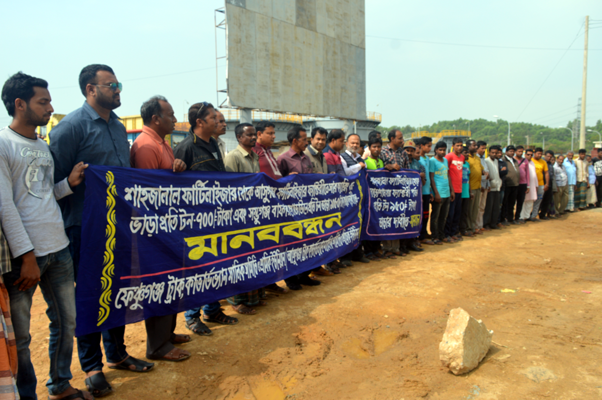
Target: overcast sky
(168, 48)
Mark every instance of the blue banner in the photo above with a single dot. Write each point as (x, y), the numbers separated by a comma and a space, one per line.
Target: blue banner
(156, 243)
(394, 208)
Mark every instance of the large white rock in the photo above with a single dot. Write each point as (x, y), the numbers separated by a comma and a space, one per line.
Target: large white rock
(465, 342)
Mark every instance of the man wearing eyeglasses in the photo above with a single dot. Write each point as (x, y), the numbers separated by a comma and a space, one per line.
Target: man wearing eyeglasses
(200, 152)
(93, 134)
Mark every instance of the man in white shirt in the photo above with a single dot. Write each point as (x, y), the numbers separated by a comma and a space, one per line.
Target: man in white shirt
(33, 225)
(353, 163)
(352, 159)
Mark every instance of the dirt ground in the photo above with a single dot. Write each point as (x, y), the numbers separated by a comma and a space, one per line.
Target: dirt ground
(373, 332)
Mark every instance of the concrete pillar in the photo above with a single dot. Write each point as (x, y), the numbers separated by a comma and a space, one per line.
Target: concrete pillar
(348, 127)
(246, 115)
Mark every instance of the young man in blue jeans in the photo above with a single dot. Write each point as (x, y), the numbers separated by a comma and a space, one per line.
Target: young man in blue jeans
(33, 226)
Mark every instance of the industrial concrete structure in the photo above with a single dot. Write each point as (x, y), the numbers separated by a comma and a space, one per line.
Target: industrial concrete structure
(302, 57)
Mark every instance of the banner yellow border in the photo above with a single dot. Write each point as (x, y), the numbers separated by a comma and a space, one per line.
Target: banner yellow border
(108, 269)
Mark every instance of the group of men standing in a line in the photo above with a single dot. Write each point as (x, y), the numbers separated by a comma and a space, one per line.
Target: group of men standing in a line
(41, 205)
(508, 186)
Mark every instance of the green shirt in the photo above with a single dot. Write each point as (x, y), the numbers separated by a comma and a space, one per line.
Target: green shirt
(371, 163)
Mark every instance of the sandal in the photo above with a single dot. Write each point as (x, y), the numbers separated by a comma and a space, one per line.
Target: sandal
(179, 339)
(97, 385)
(244, 310)
(174, 355)
(77, 395)
(274, 288)
(198, 327)
(437, 242)
(139, 365)
(262, 303)
(220, 318)
(389, 255)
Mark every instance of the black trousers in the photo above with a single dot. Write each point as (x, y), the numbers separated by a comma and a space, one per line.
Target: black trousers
(544, 208)
(371, 246)
(520, 199)
(452, 225)
(355, 255)
(510, 195)
(492, 210)
(159, 335)
(439, 217)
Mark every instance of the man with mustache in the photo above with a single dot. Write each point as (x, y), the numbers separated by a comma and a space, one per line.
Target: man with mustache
(94, 134)
(151, 151)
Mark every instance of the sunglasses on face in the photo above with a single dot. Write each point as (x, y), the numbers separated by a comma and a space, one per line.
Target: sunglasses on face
(113, 86)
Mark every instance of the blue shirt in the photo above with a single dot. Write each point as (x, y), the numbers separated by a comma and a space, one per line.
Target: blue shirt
(466, 180)
(592, 175)
(426, 189)
(571, 171)
(440, 171)
(84, 136)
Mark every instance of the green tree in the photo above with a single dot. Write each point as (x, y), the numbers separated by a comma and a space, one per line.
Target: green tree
(496, 132)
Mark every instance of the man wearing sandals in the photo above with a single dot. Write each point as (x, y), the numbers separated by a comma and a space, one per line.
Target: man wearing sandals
(244, 160)
(200, 152)
(31, 220)
(151, 151)
(94, 134)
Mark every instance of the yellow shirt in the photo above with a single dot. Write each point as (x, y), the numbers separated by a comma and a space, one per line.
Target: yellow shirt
(476, 171)
(541, 166)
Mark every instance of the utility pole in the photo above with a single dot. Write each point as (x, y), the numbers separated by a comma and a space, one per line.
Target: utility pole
(576, 121)
(583, 89)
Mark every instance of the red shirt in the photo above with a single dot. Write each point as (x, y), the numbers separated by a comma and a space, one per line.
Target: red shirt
(455, 164)
(267, 161)
(149, 151)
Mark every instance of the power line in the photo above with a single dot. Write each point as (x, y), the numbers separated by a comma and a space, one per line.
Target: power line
(551, 72)
(590, 107)
(554, 113)
(561, 118)
(554, 121)
(474, 45)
